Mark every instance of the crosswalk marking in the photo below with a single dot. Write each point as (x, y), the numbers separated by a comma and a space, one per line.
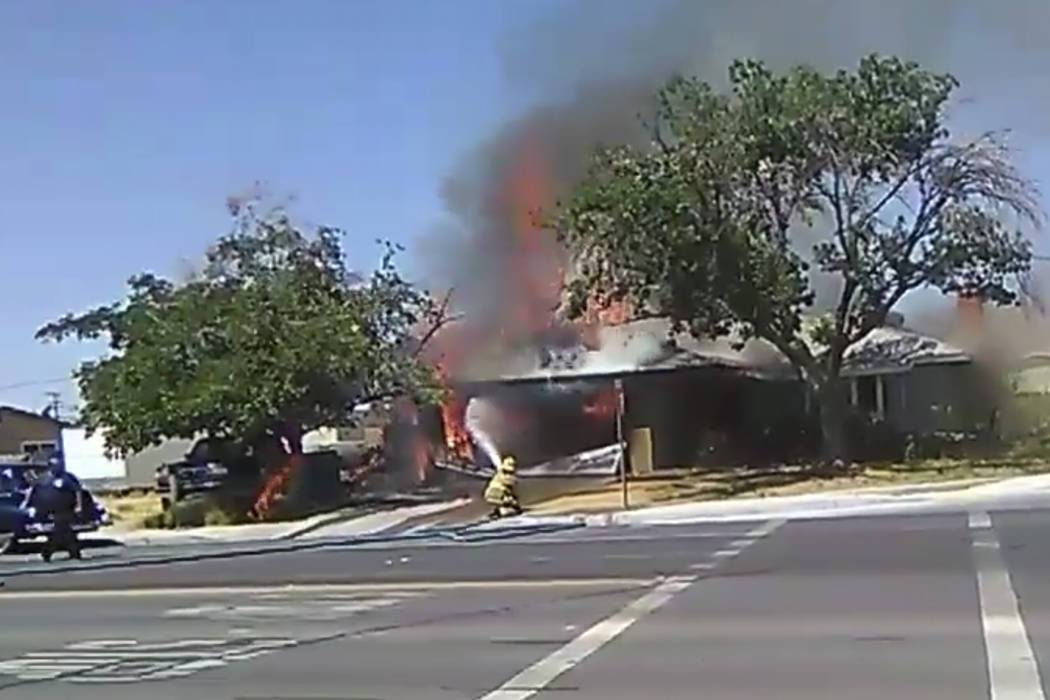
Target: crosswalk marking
(277, 606)
(131, 661)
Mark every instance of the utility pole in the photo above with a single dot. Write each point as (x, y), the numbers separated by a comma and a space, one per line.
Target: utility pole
(54, 405)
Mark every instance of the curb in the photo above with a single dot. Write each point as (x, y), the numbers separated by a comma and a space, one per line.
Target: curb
(811, 505)
(319, 521)
(308, 525)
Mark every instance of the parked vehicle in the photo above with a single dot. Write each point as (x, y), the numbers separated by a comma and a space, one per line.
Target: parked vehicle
(206, 467)
(20, 522)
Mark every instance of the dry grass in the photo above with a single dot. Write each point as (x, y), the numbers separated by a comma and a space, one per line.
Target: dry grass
(131, 510)
(710, 485)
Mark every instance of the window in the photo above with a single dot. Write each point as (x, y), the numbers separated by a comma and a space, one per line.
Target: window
(868, 394)
(37, 447)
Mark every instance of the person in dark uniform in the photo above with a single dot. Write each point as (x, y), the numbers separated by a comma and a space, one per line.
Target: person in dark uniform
(7, 481)
(12, 481)
(58, 494)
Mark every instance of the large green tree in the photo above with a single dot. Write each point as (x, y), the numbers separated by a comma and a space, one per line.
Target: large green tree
(272, 338)
(704, 224)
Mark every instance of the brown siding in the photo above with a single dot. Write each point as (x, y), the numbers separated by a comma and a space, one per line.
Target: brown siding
(17, 427)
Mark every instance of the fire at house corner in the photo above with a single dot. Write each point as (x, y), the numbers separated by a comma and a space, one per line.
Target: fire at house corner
(517, 328)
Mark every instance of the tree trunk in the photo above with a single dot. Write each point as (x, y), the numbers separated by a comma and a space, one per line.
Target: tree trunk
(832, 406)
(822, 378)
(833, 409)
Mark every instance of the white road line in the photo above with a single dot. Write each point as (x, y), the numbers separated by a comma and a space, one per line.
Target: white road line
(538, 676)
(980, 519)
(316, 589)
(725, 553)
(739, 545)
(1013, 673)
(765, 529)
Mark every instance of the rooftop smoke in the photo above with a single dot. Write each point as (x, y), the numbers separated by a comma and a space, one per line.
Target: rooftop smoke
(595, 64)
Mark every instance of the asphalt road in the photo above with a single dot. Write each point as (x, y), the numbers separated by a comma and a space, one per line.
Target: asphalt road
(912, 607)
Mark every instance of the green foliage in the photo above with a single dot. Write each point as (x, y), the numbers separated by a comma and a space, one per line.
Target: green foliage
(201, 511)
(273, 338)
(700, 225)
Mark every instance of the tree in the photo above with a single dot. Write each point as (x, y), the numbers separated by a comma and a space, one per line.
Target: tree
(273, 338)
(703, 224)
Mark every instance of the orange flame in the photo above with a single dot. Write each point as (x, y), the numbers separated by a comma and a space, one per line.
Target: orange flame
(536, 272)
(274, 487)
(453, 410)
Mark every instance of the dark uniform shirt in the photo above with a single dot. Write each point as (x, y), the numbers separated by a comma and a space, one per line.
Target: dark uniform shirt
(55, 493)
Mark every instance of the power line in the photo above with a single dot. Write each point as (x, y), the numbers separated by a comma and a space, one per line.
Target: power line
(35, 382)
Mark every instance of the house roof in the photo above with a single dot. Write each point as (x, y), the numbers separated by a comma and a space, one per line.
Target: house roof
(28, 414)
(890, 349)
(645, 345)
(648, 345)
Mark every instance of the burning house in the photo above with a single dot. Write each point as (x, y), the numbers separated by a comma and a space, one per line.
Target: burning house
(524, 382)
(703, 403)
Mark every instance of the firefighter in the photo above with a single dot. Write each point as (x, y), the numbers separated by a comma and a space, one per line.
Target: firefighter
(501, 492)
(58, 494)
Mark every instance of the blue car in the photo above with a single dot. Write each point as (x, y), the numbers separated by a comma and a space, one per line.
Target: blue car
(20, 522)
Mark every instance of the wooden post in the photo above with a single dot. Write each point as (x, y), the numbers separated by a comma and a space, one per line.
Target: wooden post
(880, 396)
(620, 441)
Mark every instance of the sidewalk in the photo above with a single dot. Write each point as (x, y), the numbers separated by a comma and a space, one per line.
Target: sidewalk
(913, 498)
(338, 524)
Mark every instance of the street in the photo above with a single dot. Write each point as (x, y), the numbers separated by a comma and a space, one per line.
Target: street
(919, 606)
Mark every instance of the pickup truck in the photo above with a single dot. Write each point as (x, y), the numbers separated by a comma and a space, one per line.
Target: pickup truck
(206, 467)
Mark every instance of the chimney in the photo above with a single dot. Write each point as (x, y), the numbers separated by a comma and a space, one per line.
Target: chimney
(969, 316)
(969, 308)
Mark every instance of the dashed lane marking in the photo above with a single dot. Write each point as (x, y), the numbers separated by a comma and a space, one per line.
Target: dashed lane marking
(765, 529)
(979, 519)
(737, 546)
(725, 553)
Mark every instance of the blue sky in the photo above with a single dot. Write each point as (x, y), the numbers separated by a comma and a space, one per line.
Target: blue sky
(124, 124)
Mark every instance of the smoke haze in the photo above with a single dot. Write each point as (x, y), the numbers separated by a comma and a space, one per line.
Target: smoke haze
(596, 63)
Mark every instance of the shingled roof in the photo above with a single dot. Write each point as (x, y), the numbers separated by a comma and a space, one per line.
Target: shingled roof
(648, 345)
